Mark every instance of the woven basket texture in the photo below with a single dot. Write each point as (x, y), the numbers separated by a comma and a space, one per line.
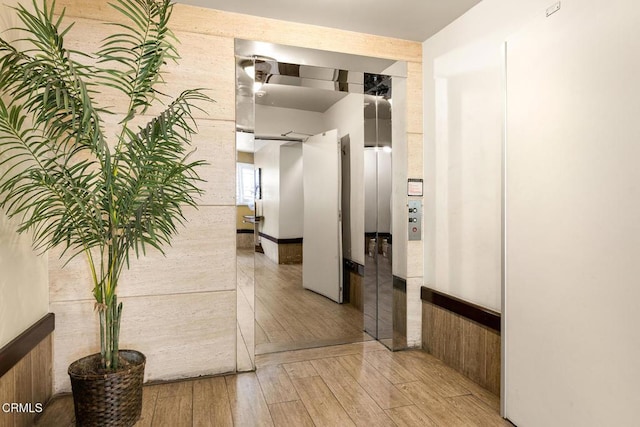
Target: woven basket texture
(112, 399)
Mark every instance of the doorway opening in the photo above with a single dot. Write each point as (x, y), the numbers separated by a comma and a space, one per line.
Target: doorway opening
(315, 228)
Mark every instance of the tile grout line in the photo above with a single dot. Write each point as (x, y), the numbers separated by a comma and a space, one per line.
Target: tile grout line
(155, 404)
(296, 389)
(263, 396)
(226, 389)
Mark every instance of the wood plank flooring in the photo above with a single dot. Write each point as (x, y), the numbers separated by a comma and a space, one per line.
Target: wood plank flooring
(290, 317)
(359, 384)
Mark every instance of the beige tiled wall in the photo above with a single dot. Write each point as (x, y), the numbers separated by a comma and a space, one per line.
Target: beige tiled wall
(414, 97)
(180, 310)
(414, 312)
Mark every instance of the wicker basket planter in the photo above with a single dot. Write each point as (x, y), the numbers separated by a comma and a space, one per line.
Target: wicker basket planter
(108, 398)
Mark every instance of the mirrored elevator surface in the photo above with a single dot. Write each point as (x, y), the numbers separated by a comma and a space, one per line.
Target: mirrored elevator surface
(289, 317)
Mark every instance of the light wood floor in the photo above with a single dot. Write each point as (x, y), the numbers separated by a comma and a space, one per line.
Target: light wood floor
(291, 317)
(346, 385)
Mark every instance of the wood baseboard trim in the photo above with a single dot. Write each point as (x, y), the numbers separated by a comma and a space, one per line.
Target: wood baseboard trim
(20, 346)
(400, 284)
(281, 241)
(353, 267)
(481, 315)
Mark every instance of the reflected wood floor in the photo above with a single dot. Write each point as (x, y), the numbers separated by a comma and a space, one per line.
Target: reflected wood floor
(290, 317)
(345, 385)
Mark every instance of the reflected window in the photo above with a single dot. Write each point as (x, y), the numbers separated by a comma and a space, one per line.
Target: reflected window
(245, 184)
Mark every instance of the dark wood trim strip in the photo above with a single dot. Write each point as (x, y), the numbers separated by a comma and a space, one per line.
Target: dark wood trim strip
(281, 241)
(352, 266)
(244, 231)
(400, 284)
(481, 315)
(19, 347)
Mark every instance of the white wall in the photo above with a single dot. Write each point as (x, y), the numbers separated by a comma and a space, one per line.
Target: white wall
(23, 275)
(24, 285)
(347, 116)
(291, 192)
(573, 204)
(274, 121)
(281, 205)
(463, 105)
(573, 238)
(267, 159)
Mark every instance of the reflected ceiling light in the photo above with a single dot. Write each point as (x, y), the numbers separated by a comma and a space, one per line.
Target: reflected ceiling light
(251, 71)
(258, 69)
(386, 149)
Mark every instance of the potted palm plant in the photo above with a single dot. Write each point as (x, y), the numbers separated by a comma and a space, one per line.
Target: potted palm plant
(72, 186)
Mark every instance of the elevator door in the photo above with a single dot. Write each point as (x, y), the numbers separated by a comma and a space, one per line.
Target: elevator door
(378, 280)
(378, 276)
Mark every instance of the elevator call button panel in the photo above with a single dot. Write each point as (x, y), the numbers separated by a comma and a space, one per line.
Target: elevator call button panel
(415, 220)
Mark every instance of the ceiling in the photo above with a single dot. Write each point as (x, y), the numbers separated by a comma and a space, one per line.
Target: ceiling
(415, 20)
(316, 70)
(282, 76)
(297, 98)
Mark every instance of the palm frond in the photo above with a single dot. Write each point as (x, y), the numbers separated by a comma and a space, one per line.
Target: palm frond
(138, 51)
(53, 194)
(59, 176)
(156, 179)
(52, 87)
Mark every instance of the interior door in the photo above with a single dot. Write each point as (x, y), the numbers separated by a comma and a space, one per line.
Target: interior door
(572, 209)
(322, 236)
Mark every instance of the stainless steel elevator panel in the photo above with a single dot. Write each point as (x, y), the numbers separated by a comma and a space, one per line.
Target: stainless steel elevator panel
(415, 220)
(378, 280)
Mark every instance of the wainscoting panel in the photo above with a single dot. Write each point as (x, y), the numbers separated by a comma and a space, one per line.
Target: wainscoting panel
(355, 290)
(289, 253)
(352, 278)
(466, 345)
(282, 251)
(29, 380)
(399, 313)
(245, 240)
